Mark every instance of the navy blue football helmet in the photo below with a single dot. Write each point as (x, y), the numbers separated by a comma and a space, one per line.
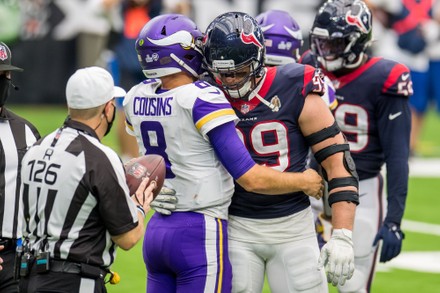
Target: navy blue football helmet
(233, 46)
(341, 33)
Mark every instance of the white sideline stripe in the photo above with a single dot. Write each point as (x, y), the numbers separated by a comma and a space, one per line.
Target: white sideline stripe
(423, 261)
(420, 227)
(424, 167)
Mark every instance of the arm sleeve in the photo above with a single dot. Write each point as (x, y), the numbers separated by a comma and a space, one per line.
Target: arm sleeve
(230, 149)
(394, 137)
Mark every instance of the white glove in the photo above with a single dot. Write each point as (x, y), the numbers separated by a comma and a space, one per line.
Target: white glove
(165, 202)
(337, 256)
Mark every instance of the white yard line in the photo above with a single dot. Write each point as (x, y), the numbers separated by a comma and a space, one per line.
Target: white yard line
(420, 227)
(424, 167)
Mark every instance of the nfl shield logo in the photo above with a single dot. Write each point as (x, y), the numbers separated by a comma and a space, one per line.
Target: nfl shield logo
(244, 108)
(3, 53)
(137, 170)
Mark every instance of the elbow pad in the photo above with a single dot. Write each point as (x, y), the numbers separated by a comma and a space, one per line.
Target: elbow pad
(348, 162)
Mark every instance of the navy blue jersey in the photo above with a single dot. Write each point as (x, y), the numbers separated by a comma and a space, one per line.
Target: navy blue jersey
(273, 137)
(373, 112)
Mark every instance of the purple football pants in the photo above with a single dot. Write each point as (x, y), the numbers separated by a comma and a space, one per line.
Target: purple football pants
(187, 252)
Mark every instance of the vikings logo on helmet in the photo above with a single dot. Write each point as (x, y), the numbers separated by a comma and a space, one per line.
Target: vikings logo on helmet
(250, 38)
(355, 17)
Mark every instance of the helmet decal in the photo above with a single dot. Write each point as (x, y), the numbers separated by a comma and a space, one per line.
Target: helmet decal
(250, 38)
(295, 34)
(184, 38)
(354, 17)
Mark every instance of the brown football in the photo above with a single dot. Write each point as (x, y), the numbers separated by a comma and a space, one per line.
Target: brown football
(152, 166)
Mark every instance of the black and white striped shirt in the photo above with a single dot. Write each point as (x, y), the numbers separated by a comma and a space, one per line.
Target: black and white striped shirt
(16, 135)
(75, 196)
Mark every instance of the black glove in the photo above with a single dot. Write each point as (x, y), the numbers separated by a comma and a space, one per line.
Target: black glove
(392, 237)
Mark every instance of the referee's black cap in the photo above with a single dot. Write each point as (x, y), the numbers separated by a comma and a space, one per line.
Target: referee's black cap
(5, 59)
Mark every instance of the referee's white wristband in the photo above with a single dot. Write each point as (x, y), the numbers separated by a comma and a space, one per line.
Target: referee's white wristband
(141, 209)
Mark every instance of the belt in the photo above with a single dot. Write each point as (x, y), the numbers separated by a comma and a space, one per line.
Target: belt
(85, 270)
(8, 243)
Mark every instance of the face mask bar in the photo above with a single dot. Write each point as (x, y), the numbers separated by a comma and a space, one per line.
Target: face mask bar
(245, 75)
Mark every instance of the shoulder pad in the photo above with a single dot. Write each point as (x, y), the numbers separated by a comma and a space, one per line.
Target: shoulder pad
(398, 79)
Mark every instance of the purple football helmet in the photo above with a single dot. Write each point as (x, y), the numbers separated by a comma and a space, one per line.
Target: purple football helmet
(282, 37)
(167, 45)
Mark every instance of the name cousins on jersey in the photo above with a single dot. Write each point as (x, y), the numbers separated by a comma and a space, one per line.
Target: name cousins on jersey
(152, 106)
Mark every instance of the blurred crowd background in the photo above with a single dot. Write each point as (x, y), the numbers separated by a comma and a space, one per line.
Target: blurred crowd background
(50, 39)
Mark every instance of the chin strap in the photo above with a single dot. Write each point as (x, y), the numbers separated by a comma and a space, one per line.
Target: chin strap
(183, 64)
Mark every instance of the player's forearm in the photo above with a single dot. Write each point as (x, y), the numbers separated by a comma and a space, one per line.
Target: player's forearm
(268, 181)
(343, 213)
(129, 239)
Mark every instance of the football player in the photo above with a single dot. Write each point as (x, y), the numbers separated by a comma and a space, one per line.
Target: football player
(283, 40)
(373, 112)
(192, 125)
(281, 115)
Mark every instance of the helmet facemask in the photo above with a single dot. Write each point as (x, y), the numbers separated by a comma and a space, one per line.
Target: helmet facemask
(238, 81)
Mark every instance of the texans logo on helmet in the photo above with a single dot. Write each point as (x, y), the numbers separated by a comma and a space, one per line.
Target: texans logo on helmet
(356, 17)
(250, 38)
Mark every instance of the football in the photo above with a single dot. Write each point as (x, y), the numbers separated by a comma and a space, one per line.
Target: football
(152, 166)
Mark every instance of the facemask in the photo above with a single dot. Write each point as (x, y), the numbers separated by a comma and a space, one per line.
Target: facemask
(5, 85)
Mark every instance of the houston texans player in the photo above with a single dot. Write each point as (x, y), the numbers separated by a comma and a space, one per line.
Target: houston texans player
(281, 115)
(373, 112)
(192, 125)
(283, 40)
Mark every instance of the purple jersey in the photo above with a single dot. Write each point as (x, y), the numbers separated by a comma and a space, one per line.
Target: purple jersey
(271, 133)
(374, 114)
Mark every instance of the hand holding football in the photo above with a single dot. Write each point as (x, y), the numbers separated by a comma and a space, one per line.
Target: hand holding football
(152, 166)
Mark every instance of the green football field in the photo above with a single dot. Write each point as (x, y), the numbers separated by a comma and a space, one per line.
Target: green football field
(417, 269)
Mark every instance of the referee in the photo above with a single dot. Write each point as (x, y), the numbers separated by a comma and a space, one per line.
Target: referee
(76, 202)
(16, 134)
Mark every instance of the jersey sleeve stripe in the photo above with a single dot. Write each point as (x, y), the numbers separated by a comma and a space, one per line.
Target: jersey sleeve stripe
(223, 112)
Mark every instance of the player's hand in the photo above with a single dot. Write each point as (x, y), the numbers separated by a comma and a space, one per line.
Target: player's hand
(337, 257)
(313, 184)
(391, 237)
(165, 202)
(144, 194)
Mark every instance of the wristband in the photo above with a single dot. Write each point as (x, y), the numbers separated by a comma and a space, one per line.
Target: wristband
(141, 209)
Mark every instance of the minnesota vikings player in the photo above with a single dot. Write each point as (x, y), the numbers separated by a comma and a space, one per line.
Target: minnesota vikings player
(374, 114)
(281, 115)
(283, 40)
(192, 125)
